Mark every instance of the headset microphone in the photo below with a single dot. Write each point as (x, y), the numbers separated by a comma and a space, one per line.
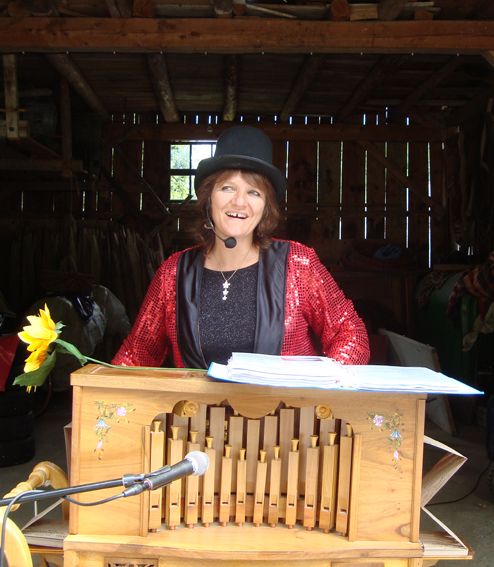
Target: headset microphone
(229, 242)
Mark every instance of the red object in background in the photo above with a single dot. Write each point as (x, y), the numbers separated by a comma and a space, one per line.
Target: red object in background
(8, 346)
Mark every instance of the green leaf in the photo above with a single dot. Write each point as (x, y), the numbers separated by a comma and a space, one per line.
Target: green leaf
(38, 376)
(71, 349)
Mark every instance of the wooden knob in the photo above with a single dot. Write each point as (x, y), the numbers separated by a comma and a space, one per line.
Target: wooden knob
(323, 412)
(193, 436)
(209, 442)
(349, 430)
(156, 426)
(276, 451)
(242, 455)
(228, 451)
(332, 437)
(175, 429)
(313, 441)
(294, 443)
(262, 455)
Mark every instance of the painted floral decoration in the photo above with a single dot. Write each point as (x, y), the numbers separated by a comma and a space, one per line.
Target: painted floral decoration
(106, 412)
(392, 424)
(43, 344)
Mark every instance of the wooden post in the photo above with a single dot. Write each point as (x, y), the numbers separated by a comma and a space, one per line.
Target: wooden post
(11, 96)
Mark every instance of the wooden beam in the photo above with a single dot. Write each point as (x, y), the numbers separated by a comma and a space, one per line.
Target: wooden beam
(66, 126)
(425, 87)
(385, 65)
(470, 109)
(37, 165)
(23, 129)
(142, 181)
(389, 10)
(415, 188)
(162, 87)
(64, 64)
(489, 57)
(310, 68)
(232, 63)
(320, 132)
(252, 35)
(11, 96)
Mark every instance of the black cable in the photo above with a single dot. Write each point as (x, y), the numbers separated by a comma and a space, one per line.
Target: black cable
(466, 495)
(4, 524)
(93, 503)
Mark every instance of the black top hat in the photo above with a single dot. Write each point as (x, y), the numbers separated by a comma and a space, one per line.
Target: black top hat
(243, 147)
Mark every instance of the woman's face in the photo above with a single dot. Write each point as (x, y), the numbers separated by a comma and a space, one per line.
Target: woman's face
(236, 207)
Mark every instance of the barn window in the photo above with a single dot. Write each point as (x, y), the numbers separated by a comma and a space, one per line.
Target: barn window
(184, 158)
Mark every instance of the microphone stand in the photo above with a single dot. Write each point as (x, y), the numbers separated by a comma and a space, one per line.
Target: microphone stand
(126, 481)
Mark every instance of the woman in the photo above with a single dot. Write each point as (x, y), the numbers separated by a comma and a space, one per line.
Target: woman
(241, 291)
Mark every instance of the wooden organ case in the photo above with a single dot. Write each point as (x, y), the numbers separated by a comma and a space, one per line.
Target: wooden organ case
(320, 478)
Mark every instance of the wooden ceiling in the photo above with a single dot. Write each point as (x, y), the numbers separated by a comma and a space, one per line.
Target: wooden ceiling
(233, 59)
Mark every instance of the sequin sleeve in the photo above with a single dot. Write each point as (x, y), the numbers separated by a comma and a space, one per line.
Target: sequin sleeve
(154, 332)
(319, 318)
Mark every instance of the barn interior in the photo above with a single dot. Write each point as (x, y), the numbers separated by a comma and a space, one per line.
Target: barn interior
(380, 113)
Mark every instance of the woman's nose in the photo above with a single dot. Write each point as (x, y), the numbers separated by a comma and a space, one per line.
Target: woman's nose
(239, 197)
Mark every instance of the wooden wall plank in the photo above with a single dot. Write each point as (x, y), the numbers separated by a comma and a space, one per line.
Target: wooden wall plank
(376, 191)
(353, 191)
(418, 224)
(302, 188)
(329, 200)
(439, 227)
(396, 196)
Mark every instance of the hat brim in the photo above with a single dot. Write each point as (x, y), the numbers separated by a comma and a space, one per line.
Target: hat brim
(210, 165)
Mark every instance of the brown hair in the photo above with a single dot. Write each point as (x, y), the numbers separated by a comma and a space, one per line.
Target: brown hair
(270, 216)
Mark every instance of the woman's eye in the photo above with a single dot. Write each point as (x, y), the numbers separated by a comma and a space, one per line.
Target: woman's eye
(226, 188)
(255, 193)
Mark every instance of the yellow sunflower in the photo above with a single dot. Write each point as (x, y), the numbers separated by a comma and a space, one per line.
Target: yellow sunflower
(34, 360)
(39, 335)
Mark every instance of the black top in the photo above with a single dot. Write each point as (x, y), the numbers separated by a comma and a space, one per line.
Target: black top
(229, 325)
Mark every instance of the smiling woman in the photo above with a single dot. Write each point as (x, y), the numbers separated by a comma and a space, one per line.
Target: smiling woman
(241, 290)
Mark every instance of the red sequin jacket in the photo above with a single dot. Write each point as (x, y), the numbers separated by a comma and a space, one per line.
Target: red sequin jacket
(301, 311)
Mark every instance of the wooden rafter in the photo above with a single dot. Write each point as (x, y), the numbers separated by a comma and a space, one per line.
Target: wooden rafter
(162, 87)
(232, 63)
(311, 66)
(425, 87)
(64, 64)
(385, 65)
(292, 132)
(470, 109)
(243, 35)
(414, 187)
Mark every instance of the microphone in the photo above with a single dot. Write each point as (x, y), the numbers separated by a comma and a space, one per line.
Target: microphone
(229, 242)
(195, 463)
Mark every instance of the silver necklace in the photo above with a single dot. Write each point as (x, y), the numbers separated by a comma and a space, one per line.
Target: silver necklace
(226, 283)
